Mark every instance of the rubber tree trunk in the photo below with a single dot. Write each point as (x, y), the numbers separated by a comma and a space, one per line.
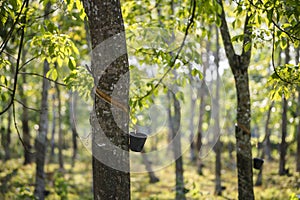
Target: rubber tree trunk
(24, 118)
(239, 65)
(297, 59)
(266, 145)
(110, 138)
(72, 105)
(147, 162)
(218, 145)
(298, 136)
(174, 124)
(192, 117)
(41, 139)
(25, 127)
(60, 131)
(6, 136)
(53, 129)
(283, 144)
(202, 91)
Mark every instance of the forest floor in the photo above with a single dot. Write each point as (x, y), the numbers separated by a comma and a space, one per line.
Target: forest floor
(17, 181)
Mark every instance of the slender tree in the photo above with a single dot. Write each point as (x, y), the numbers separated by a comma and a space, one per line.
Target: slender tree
(239, 65)
(41, 139)
(174, 115)
(283, 144)
(218, 145)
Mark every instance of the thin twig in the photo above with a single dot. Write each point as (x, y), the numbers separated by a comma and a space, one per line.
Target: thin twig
(39, 75)
(4, 86)
(18, 132)
(273, 62)
(33, 109)
(28, 61)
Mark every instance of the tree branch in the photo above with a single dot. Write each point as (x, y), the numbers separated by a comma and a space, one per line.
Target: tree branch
(229, 50)
(33, 109)
(39, 75)
(5, 41)
(18, 60)
(246, 55)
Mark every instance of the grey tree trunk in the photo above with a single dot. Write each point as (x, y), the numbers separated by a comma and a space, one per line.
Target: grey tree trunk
(60, 131)
(239, 66)
(266, 145)
(152, 176)
(297, 59)
(218, 145)
(202, 92)
(72, 105)
(41, 139)
(192, 117)
(174, 124)
(25, 127)
(283, 144)
(298, 136)
(6, 136)
(110, 142)
(53, 129)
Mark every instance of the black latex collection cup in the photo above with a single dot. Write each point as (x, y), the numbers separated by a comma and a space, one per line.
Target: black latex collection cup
(257, 163)
(137, 141)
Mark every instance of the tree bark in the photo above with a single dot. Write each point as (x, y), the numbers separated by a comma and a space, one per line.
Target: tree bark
(218, 145)
(110, 142)
(52, 143)
(239, 66)
(297, 59)
(6, 136)
(174, 124)
(298, 136)
(25, 127)
(266, 145)
(192, 116)
(202, 92)
(72, 105)
(41, 139)
(283, 144)
(60, 131)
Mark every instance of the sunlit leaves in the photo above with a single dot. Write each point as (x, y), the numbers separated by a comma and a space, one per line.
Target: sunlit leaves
(80, 80)
(284, 81)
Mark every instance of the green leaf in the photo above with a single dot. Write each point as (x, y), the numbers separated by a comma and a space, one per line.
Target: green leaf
(247, 46)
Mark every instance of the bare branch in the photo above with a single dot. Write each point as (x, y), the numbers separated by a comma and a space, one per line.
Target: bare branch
(39, 75)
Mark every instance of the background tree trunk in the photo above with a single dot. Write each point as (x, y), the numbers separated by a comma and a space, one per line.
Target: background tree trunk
(41, 139)
(298, 136)
(192, 117)
(60, 131)
(174, 124)
(283, 144)
(53, 129)
(6, 136)
(297, 59)
(106, 22)
(265, 145)
(218, 145)
(25, 127)
(202, 92)
(72, 105)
